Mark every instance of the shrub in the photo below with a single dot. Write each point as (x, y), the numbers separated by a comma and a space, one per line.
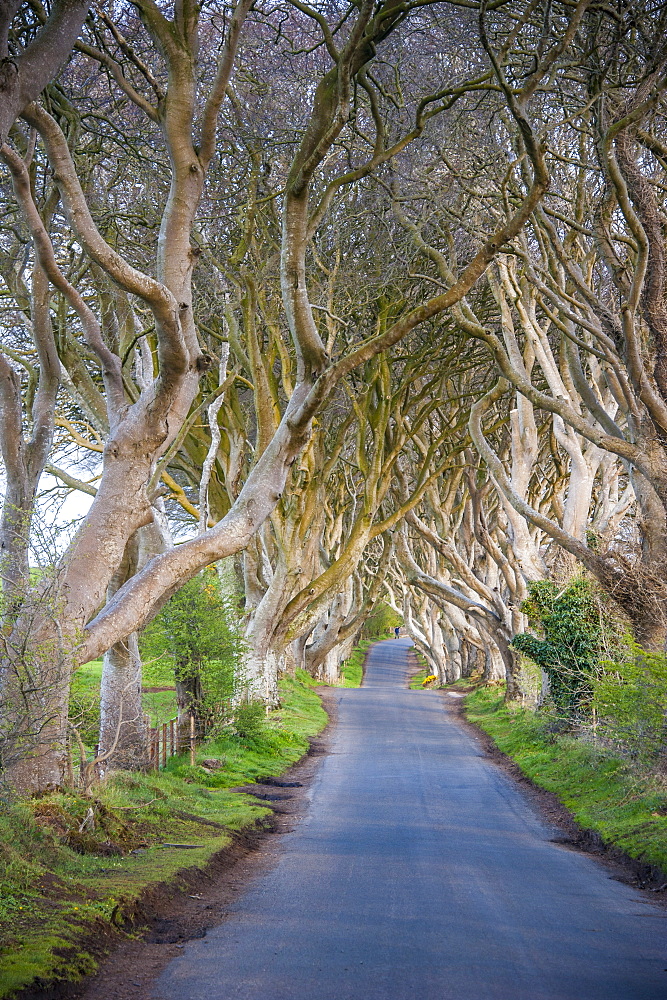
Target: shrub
(577, 634)
(250, 720)
(84, 714)
(195, 634)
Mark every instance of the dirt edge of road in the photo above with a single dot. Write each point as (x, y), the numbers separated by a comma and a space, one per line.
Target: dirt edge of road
(169, 914)
(650, 880)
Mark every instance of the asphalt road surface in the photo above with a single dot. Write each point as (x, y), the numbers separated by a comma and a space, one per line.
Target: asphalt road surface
(421, 873)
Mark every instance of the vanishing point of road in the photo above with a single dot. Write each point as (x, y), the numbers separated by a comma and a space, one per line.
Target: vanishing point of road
(422, 873)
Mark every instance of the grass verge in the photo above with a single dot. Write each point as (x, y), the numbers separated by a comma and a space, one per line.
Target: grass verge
(416, 681)
(352, 669)
(73, 867)
(603, 792)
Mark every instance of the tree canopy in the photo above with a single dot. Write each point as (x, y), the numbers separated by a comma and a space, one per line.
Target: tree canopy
(366, 299)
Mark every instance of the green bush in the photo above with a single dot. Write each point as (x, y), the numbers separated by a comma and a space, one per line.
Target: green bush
(576, 634)
(84, 714)
(250, 720)
(195, 641)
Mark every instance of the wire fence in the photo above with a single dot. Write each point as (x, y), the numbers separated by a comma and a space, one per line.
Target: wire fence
(164, 741)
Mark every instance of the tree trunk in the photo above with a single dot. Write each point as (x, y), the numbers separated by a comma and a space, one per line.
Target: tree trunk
(123, 728)
(260, 670)
(33, 713)
(188, 698)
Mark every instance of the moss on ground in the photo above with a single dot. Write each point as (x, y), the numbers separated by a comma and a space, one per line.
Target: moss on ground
(72, 866)
(602, 791)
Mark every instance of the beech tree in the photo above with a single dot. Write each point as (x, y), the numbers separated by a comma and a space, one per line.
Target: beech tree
(32, 50)
(168, 73)
(590, 279)
(573, 319)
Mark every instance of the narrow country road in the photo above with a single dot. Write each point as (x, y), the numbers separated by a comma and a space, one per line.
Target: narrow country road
(421, 873)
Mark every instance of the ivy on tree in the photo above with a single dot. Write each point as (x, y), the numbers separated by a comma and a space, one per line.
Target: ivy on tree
(572, 643)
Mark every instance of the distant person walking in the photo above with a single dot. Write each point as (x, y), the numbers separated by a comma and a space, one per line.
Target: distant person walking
(397, 631)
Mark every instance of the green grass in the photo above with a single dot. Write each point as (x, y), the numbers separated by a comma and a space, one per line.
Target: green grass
(160, 706)
(425, 671)
(60, 884)
(603, 792)
(88, 677)
(352, 669)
